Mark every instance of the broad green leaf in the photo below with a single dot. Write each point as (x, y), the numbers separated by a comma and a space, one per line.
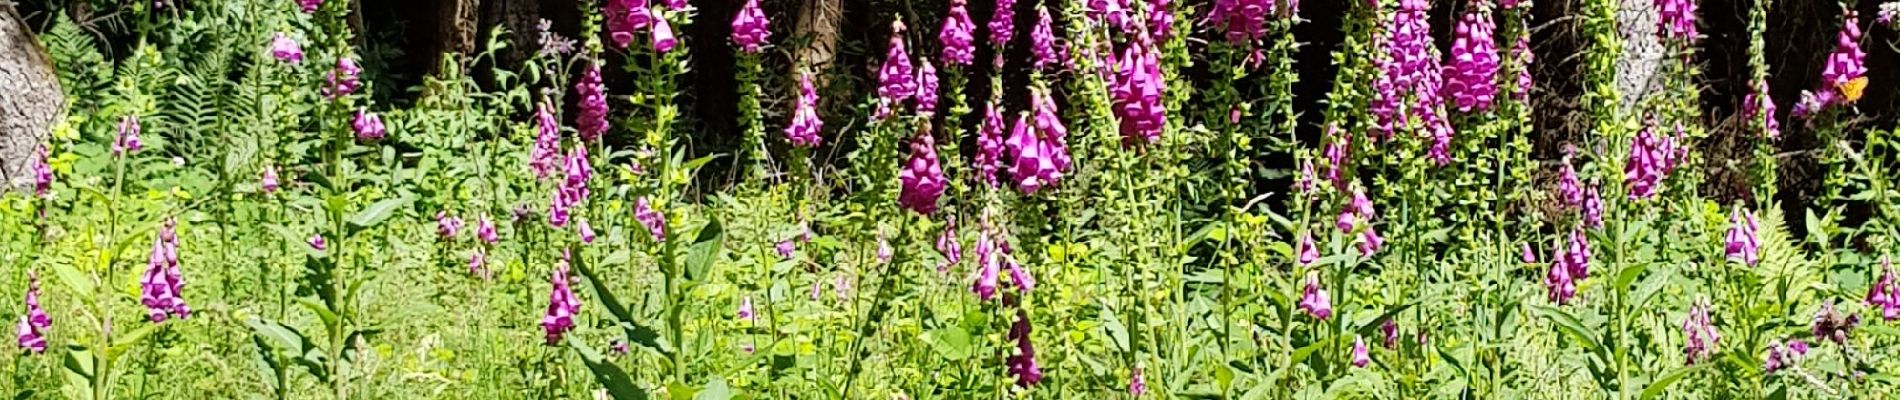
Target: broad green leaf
(378, 212)
(705, 250)
(1656, 388)
(637, 333)
(715, 390)
(952, 343)
(82, 288)
(618, 384)
(1570, 325)
(131, 338)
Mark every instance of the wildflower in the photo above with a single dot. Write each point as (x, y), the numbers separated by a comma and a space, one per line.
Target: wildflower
(1305, 183)
(1136, 92)
(551, 42)
(163, 283)
(1018, 275)
(1002, 26)
(31, 332)
(1832, 325)
(884, 252)
(1846, 64)
(958, 35)
(654, 221)
(285, 49)
(1241, 21)
(1521, 53)
(842, 287)
(803, 130)
(586, 232)
(1359, 352)
(485, 230)
(624, 17)
(562, 305)
(922, 177)
(1759, 107)
(309, 6)
(948, 247)
(478, 263)
(1569, 187)
(1559, 287)
(1314, 300)
(1391, 330)
(1040, 151)
(1592, 208)
(578, 169)
(267, 180)
(1577, 256)
(745, 309)
(676, 5)
(1742, 244)
(592, 120)
(1644, 171)
(43, 174)
(1370, 241)
(316, 242)
(1411, 66)
(785, 249)
(1022, 364)
(1530, 255)
(1568, 265)
(559, 207)
(1885, 293)
(341, 81)
(1160, 19)
(1309, 252)
(1472, 80)
(1137, 385)
(1775, 359)
(446, 226)
(663, 40)
(547, 142)
(749, 27)
(988, 264)
(1042, 40)
(368, 125)
(1336, 154)
(926, 88)
(618, 347)
(1887, 12)
(1676, 19)
(128, 139)
(896, 80)
(989, 143)
(1112, 12)
(1699, 334)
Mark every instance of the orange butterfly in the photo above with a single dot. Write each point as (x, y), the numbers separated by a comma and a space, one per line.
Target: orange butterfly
(1852, 90)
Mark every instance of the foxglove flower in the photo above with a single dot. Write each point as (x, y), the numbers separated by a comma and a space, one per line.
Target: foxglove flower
(547, 142)
(663, 40)
(626, 16)
(43, 174)
(1699, 334)
(1742, 242)
(1018, 275)
(1241, 21)
(267, 180)
(926, 88)
(675, 5)
(478, 263)
(1559, 286)
(1305, 183)
(1042, 40)
(1530, 255)
(1137, 385)
(316, 242)
(585, 231)
(1845, 65)
(1885, 293)
(368, 125)
(1360, 356)
(989, 144)
(285, 49)
(1832, 325)
(1759, 108)
(1040, 151)
(309, 6)
(1521, 54)
(343, 80)
(1569, 187)
(592, 120)
(1115, 13)
(1137, 91)
(1676, 19)
(749, 28)
(884, 252)
(562, 305)
(896, 80)
(654, 221)
(1592, 208)
(446, 226)
(162, 286)
(1471, 79)
(785, 249)
(958, 35)
(1336, 155)
(31, 332)
(803, 131)
(745, 309)
(922, 177)
(1369, 241)
(1650, 159)
(1309, 252)
(1160, 19)
(948, 247)
(1002, 26)
(1314, 301)
(1022, 364)
(128, 139)
(988, 265)
(485, 230)
(1391, 331)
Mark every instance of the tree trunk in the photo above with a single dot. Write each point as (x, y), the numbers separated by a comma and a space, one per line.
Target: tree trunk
(31, 102)
(459, 22)
(818, 20)
(1636, 72)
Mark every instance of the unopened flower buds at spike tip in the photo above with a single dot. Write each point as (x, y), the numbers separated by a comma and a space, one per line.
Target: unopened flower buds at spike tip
(592, 119)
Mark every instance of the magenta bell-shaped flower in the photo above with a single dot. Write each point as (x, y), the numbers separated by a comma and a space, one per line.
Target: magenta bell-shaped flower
(1391, 331)
(803, 131)
(1759, 108)
(1241, 21)
(368, 126)
(745, 309)
(42, 173)
(1137, 91)
(592, 94)
(1022, 364)
(446, 226)
(958, 36)
(626, 16)
(1042, 40)
(128, 140)
(341, 81)
(654, 221)
(547, 142)
(663, 40)
(1360, 354)
(309, 6)
(1137, 385)
(1885, 292)
(749, 28)
(1698, 334)
(1002, 25)
(1471, 79)
(285, 49)
(1160, 19)
(1314, 301)
(948, 247)
(1742, 244)
(989, 145)
(926, 88)
(485, 230)
(988, 266)
(31, 332)
(1675, 19)
(1309, 252)
(922, 177)
(897, 81)
(1569, 187)
(562, 305)
(267, 180)
(162, 286)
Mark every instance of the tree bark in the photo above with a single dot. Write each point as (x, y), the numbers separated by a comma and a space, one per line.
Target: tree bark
(818, 20)
(31, 100)
(459, 22)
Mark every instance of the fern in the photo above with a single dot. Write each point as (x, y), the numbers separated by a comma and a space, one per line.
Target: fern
(80, 65)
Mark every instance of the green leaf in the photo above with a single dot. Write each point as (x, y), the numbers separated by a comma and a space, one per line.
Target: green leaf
(1570, 325)
(618, 384)
(379, 212)
(125, 342)
(73, 280)
(639, 334)
(265, 361)
(1656, 387)
(78, 364)
(952, 342)
(1628, 275)
(715, 390)
(705, 249)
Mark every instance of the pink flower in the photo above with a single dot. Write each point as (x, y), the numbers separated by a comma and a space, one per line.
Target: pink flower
(1369, 241)
(1137, 385)
(958, 35)
(43, 174)
(309, 6)
(267, 180)
(786, 249)
(654, 221)
(1314, 301)
(1309, 252)
(1741, 242)
(1592, 208)
(896, 80)
(1160, 19)
(1759, 108)
(1137, 92)
(948, 247)
(31, 332)
(1676, 19)
(988, 266)
(285, 49)
(1022, 364)
(1471, 79)
(624, 17)
(1002, 25)
(162, 286)
(1042, 40)
(592, 120)
(547, 142)
(341, 81)
(663, 40)
(749, 27)
(368, 125)
(585, 231)
(1885, 293)
(562, 305)
(1530, 255)
(989, 142)
(485, 230)
(1699, 334)
(1391, 330)
(478, 263)
(316, 242)
(1040, 151)
(926, 88)
(1846, 64)
(922, 177)
(1360, 356)
(1242, 21)
(128, 139)
(745, 309)
(1569, 187)
(803, 131)
(446, 226)
(1521, 53)
(1650, 159)
(884, 252)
